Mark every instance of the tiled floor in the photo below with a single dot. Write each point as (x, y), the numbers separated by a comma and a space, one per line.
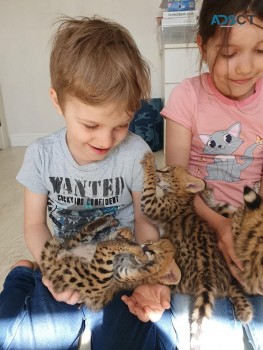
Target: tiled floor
(12, 247)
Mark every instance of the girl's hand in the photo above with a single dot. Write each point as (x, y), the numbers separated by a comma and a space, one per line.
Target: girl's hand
(148, 302)
(226, 246)
(69, 296)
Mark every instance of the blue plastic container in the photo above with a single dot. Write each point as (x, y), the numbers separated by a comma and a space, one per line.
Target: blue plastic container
(181, 5)
(148, 123)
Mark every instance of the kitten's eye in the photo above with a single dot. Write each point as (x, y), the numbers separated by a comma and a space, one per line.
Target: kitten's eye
(211, 143)
(227, 138)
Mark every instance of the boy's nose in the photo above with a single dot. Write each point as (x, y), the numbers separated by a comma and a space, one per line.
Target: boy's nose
(106, 140)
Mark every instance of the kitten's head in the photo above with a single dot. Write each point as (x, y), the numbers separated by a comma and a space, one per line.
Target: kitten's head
(163, 253)
(177, 181)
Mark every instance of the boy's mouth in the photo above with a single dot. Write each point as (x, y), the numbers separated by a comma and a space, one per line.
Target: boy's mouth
(100, 150)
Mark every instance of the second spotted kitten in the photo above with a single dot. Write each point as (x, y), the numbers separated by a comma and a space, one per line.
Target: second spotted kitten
(167, 199)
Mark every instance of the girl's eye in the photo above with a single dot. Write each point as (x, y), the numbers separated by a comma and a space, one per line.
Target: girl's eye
(228, 55)
(259, 51)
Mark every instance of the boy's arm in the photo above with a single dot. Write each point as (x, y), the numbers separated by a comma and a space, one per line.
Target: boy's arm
(144, 229)
(36, 230)
(147, 302)
(36, 233)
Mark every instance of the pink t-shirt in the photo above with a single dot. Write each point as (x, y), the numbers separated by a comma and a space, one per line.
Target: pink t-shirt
(227, 135)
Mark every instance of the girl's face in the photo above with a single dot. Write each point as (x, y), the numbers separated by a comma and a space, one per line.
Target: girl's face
(92, 131)
(236, 67)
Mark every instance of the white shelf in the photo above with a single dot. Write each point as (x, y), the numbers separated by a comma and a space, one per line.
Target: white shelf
(179, 46)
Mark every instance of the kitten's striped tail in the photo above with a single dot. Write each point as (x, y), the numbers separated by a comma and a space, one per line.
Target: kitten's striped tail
(202, 311)
(251, 198)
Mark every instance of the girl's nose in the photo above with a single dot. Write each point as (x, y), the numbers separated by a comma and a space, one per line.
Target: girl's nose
(245, 65)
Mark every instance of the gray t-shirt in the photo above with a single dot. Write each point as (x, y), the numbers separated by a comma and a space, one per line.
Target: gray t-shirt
(78, 194)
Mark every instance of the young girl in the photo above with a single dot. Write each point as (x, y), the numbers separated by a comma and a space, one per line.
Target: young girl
(214, 126)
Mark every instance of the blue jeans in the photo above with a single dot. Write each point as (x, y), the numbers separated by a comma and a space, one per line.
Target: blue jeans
(30, 319)
(223, 331)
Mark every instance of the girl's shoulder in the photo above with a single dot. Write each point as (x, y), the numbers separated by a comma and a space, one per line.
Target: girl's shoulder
(190, 89)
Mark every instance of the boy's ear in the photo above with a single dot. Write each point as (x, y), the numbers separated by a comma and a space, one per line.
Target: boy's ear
(54, 99)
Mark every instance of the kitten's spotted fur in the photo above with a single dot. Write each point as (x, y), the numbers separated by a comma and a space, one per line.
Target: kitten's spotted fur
(168, 200)
(247, 229)
(98, 271)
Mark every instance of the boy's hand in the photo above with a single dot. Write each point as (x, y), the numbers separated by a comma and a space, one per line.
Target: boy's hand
(69, 296)
(148, 302)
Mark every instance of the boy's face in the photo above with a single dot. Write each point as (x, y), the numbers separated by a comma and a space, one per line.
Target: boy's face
(92, 131)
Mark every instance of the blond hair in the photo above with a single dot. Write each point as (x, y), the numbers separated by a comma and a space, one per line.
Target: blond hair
(97, 61)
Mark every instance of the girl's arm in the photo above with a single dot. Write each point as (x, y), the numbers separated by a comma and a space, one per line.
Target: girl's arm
(178, 147)
(178, 144)
(223, 229)
(261, 187)
(36, 233)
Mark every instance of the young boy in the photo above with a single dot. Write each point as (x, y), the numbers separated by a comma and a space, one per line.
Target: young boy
(86, 170)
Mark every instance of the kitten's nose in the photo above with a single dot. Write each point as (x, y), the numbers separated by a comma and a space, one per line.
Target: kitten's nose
(219, 146)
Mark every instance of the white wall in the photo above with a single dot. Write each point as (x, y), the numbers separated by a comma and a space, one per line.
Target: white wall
(26, 27)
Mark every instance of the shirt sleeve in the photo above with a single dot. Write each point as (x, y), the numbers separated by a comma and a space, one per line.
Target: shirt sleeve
(180, 105)
(31, 173)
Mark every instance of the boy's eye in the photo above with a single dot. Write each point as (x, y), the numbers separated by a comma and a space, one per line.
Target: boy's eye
(124, 126)
(90, 127)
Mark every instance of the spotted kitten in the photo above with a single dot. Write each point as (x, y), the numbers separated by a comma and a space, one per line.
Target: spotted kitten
(168, 200)
(98, 271)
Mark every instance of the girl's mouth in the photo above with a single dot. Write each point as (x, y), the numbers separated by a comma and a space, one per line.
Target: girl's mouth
(241, 81)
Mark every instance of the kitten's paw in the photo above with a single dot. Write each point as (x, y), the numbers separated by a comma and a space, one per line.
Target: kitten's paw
(148, 160)
(145, 256)
(124, 233)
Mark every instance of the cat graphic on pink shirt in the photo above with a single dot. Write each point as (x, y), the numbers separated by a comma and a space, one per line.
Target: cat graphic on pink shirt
(223, 144)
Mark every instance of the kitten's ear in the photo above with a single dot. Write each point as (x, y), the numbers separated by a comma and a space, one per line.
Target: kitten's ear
(172, 274)
(194, 184)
